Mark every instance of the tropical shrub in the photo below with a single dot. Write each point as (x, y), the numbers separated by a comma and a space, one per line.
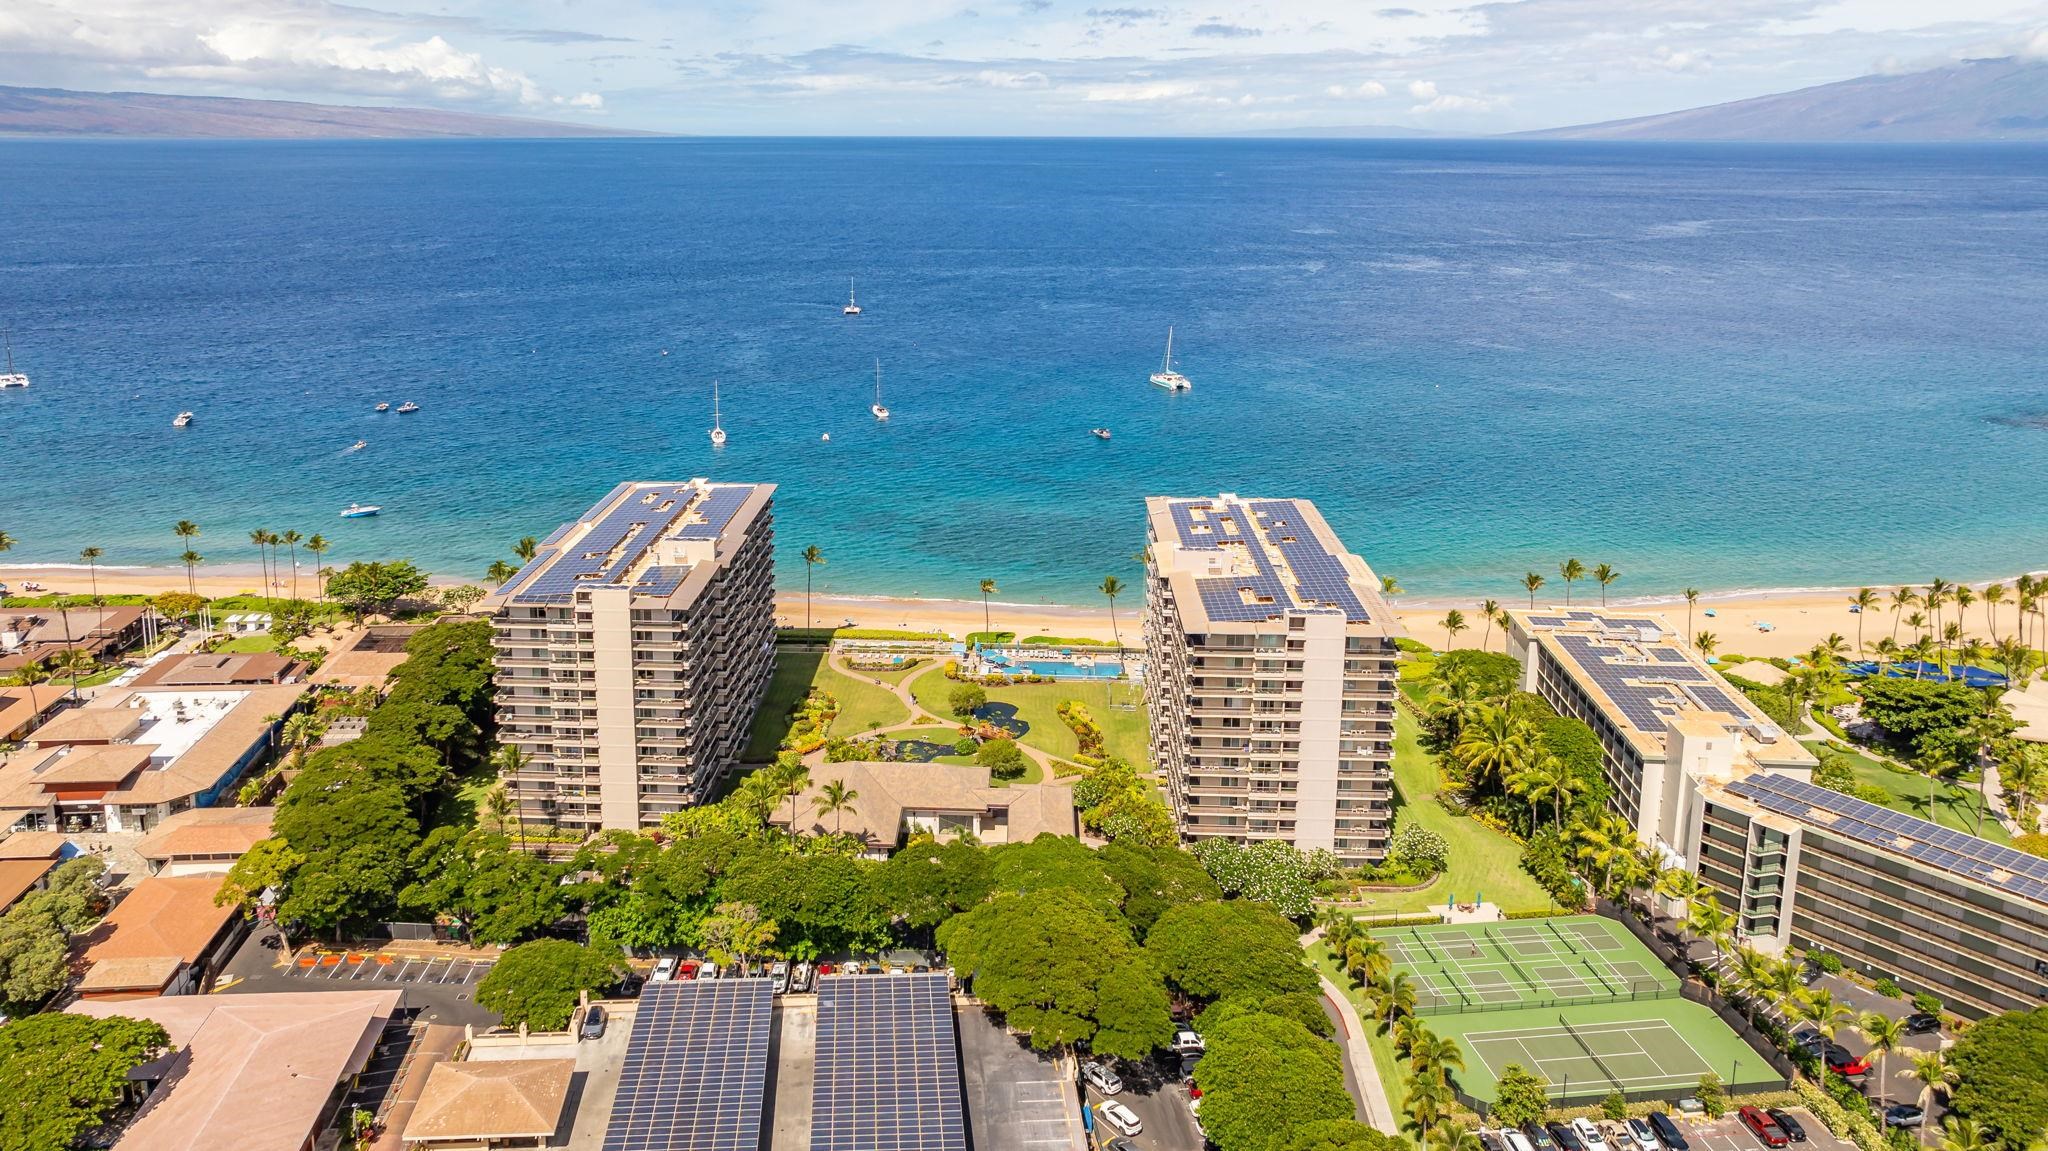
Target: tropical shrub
(1075, 715)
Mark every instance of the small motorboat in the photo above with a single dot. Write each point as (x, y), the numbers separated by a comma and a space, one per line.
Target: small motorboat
(384, 407)
(407, 408)
(184, 420)
(1099, 433)
(359, 445)
(826, 438)
(358, 511)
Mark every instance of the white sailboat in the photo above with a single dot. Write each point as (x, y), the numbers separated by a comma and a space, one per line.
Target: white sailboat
(851, 308)
(11, 378)
(881, 413)
(1166, 377)
(717, 429)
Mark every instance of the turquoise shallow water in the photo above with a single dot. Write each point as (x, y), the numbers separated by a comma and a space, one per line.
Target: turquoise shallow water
(1730, 367)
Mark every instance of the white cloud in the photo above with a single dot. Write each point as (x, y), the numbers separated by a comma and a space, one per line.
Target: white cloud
(1422, 89)
(1147, 92)
(1369, 90)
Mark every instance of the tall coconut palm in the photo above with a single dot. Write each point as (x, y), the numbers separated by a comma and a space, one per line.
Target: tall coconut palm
(1902, 598)
(526, 549)
(1390, 587)
(1963, 597)
(1572, 571)
(1433, 1055)
(1921, 652)
(1692, 600)
(1397, 995)
(1494, 747)
(1937, 594)
(6, 542)
(191, 559)
(292, 540)
(1936, 1078)
(1113, 587)
(261, 538)
(1547, 778)
(90, 557)
(1488, 610)
(1819, 1009)
(1886, 1035)
(500, 571)
(835, 799)
(1706, 642)
(1427, 1101)
(1964, 1135)
(1454, 622)
(1708, 920)
(317, 546)
(1887, 652)
(1936, 762)
(32, 675)
(1366, 960)
(988, 588)
(1993, 595)
(812, 558)
(1864, 600)
(1606, 575)
(793, 777)
(74, 662)
(1531, 583)
(187, 531)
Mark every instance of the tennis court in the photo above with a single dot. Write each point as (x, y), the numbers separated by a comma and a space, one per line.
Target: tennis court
(1650, 1049)
(1518, 964)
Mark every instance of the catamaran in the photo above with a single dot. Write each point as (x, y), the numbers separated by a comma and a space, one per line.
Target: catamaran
(11, 378)
(1166, 377)
(717, 429)
(881, 413)
(851, 308)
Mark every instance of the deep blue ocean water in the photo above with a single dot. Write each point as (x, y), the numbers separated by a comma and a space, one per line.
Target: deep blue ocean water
(1724, 366)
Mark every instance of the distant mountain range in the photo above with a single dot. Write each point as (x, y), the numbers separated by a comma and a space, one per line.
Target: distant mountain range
(1341, 132)
(2001, 99)
(57, 112)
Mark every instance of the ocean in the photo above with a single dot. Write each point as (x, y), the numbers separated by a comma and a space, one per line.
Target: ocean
(1723, 366)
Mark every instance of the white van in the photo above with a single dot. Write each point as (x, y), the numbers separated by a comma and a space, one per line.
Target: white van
(1589, 1134)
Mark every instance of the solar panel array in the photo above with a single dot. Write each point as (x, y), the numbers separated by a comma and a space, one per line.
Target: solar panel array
(1567, 618)
(1638, 687)
(660, 581)
(1321, 582)
(696, 1070)
(1930, 844)
(887, 1073)
(618, 541)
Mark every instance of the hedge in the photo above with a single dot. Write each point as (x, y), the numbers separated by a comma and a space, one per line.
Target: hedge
(1858, 1129)
(1064, 641)
(821, 634)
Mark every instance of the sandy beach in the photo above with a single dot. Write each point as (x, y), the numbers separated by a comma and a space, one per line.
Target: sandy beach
(1799, 619)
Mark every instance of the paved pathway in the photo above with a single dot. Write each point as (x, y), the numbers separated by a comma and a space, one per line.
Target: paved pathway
(1379, 1111)
(902, 691)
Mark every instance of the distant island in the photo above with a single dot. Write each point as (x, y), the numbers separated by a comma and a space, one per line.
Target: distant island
(59, 112)
(2000, 99)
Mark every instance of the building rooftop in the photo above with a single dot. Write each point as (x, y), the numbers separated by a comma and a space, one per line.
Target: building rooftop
(216, 669)
(19, 876)
(190, 739)
(1641, 676)
(18, 706)
(886, 791)
(37, 845)
(253, 1072)
(164, 918)
(207, 831)
(499, 1099)
(1241, 561)
(650, 538)
(1929, 845)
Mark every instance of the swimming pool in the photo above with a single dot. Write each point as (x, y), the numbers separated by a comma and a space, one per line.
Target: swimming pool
(1052, 665)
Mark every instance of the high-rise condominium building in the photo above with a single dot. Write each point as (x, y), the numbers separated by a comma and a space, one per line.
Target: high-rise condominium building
(1270, 676)
(633, 650)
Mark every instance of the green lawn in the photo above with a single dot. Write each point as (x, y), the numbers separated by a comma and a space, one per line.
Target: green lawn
(1483, 861)
(898, 675)
(247, 644)
(862, 705)
(1954, 806)
(1123, 731)
(1391, 1067)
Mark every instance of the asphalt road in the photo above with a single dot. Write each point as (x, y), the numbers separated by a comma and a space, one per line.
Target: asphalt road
(1153, 1090)
(1015, 1098)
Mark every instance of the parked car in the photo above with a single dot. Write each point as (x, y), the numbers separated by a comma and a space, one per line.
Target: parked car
(1539, 1137)
(1120, 1117)
(687, 969)
(1121, 1144)
(1690, 1106)
(1188, 1063)
(800, 977)
(1842, 1063)
(1490, 1141)
(593, 1023)
(1100, 1077)
(665, 968)
(1188, 1042)
(1922, 1023)
(1567, 1139)
(1903, 1115)
(1640, 1135)
(1516, 1140)
(1787, 1123)
(778, 978)
(1810, 1040)
(1762, 1126)
(628, 986)
(1668, 1132)
(1589, 1133)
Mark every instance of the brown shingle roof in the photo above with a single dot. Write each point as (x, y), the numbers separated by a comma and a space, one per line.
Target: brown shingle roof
(885, 791)
(107, 763)
(19, 876)
(87, 725)
(165, 916)
(215, 669)
(17, 707)
(498, 1099)
(33, 845)
(208, 831)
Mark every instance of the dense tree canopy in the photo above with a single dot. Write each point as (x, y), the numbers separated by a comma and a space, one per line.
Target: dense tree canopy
(2000, 1062)
(1908, 709)
(1340, 1135)
(61, 1074)
(1264, 1078)
(927, 883)
(500, 895)
(1155, 879)
(538, 983)
(1303, 1007)
(1054, 861)
(364, 587)
(1219, 949)
(1270, 871)
(1493, 675)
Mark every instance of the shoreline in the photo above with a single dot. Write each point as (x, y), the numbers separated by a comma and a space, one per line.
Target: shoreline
(1800, 618)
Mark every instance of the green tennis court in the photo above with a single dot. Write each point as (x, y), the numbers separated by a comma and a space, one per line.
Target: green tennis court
(1516, 964)
(1644, 1049)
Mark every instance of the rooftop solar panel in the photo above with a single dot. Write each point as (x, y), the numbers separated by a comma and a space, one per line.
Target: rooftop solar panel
(616, 543)
(887, 1073)
(1319, 580)
(696, 1068)
(1944, 849)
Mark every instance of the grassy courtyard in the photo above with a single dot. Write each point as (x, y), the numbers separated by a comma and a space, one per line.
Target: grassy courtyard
(1955, 806)
(1123, 729)
(862, 706)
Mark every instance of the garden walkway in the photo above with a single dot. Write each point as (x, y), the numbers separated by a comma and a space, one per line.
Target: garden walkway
(1379, 1112)
(902, 692)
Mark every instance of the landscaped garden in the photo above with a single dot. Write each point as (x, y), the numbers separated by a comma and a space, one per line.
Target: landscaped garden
(1117, 707)
(1955, 806)
(862, 705)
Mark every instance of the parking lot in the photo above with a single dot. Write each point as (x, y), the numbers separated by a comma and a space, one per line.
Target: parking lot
(1728, 1134)
(1154, 1092)
(441, 990)
(375, 968)
(1016, 1100)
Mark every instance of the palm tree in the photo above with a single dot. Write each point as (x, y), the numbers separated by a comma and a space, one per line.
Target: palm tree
(793, 777)
(1572, 572)
(1706, 642)
(1606, 574)
(1709, 921)
(1548, 778)
(1994, 594)
(6, 542)
(30, 675)
(1433, 1055)
(1902, 598)
(1864, 599)
(988, 588)
(1887, 652)
(1398, 995)
(510, 761)
(1602, 843)
(1113, 587)
(188, 531)
(1338, 927)
(1493, 748)
(318, 546)
(1692, 600)
(75, 661)
(1936, 1078)
(292, 539)
(500, 571)
(1488, 610)
(1531, 582)
(1454, 1137)
(526, 548)
(1937, 593)
(261, 539)
(300, 732)
(834, 799)
(1454, 622)
(1366, 960)
(1819, 1008)
(1427, 1099)
(812, 558)
(1936, 762)
(90, 557)
(1963, 597)
(1964, 1135)
(1681, 886)
(1886, 1035)
(1389, 586)
(1921, 650)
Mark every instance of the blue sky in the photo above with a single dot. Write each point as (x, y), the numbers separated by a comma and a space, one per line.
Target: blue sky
(1053, 67)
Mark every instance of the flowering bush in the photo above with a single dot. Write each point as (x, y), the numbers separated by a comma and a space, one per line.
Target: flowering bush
(1270, 871)
(1420, 850)
(1075, 715)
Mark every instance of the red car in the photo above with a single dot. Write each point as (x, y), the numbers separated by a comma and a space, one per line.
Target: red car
(1764, 1127)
